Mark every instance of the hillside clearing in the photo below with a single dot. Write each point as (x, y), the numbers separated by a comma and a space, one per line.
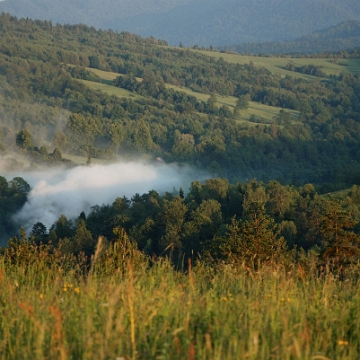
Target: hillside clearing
(110, 90)
(276, 65)
(265, 112)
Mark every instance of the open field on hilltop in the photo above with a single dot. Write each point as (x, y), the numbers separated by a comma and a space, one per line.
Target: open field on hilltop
(134, 311)
(262, 111)
(277, 64)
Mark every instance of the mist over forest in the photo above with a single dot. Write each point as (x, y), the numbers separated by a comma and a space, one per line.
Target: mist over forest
(179, 202)
(73, 91)
(71, 191)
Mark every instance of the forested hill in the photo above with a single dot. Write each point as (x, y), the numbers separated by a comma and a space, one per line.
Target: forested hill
(343, 36)
(232, 118)
(74, 90)
(201, 22)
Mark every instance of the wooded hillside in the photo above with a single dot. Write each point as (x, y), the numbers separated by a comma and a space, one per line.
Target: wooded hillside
(344, 36)
(182, 105)
(201, 22)
(47, 81)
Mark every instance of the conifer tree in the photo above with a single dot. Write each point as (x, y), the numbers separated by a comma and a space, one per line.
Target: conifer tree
(340, 243)
(255, 240)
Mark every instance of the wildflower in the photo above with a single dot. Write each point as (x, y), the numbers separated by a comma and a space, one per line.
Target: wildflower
(41, 296)
(343, 343)
(285, 300)
(224, 298)
(77, 290)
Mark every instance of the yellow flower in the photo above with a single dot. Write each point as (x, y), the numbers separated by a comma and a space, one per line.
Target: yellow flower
(284, 300)
(224, 298)
(77, 290)
(343, 343)
(41, 296)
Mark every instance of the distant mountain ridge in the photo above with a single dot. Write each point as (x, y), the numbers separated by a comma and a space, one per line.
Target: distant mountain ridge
(201, 22)
(344, 36)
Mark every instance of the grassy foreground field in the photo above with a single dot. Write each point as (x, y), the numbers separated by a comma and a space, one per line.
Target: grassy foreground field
(126, 309)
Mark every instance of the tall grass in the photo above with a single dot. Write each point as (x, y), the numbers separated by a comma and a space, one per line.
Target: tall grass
(143, 310)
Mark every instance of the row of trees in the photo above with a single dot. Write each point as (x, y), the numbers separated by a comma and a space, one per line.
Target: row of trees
(253, 222)
(306, 69)
(13, 195)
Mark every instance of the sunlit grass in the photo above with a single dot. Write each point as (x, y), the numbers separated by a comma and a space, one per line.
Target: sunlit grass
(111, 90)
(158, 313)
(352, 64)
(265, 112)
(276, 65)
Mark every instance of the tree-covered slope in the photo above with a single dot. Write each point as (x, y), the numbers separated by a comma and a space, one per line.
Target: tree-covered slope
(343, 36)
(59, 109)
(201, 22)
(49, 106)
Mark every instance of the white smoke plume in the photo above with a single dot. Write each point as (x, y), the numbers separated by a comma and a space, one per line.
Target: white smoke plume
(71, 191)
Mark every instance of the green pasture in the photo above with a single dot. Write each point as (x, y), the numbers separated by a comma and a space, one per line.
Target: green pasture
(265, 112)
(107, 75)
(262, 111)
(110, 90)
(277, 64)
(353, 65)
(104, 75)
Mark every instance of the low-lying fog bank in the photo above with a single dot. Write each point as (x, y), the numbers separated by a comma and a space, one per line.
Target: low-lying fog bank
(71, 191)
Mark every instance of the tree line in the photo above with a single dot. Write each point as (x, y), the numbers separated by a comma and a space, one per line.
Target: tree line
(256, 223)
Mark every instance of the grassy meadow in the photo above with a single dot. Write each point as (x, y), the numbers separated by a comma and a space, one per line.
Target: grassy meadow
(265, 112)
(276, 65)
(111, 90)
(127, 307)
